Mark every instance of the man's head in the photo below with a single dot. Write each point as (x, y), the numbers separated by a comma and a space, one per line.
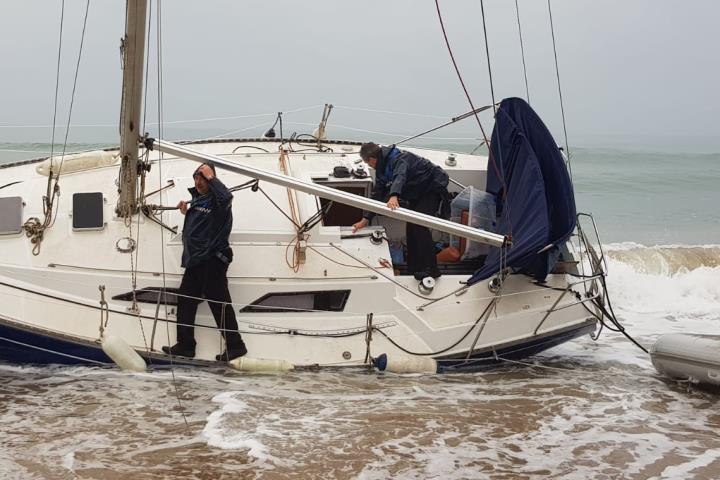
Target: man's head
(370, 153)
(201, 182)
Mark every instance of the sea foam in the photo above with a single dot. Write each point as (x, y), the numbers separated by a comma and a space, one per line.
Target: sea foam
(222, 429)
(679, 281)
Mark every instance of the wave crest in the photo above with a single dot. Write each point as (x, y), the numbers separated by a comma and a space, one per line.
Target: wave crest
(680, 281)
(666, 260)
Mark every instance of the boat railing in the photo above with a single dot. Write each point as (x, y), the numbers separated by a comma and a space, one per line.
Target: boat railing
(597, 262)
(589, 255)
(590, 295)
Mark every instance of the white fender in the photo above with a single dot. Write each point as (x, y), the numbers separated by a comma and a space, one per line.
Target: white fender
(406, 364)
(77, 162)
(122, 354)
(246, 364)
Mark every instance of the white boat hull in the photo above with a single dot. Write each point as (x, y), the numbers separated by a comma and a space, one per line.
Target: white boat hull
(50, 303)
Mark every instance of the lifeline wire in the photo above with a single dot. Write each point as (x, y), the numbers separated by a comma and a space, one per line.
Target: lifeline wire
(446, 349)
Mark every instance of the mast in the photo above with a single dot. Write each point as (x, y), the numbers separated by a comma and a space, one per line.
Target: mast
(133, 49)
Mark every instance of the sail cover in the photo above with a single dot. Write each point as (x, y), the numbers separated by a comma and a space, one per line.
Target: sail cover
(538, 208)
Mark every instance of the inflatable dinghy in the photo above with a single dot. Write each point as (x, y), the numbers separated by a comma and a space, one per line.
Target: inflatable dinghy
(688, 357)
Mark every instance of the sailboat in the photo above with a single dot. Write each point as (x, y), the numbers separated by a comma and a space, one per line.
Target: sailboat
(102, 260)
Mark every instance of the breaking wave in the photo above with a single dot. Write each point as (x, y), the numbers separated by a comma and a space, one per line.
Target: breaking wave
(679, 281)
(665, 259)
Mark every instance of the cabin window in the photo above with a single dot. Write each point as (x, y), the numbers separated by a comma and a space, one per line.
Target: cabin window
(88, 211)
(11, 209)
(340, 214)
(325, 301)
(151, 295)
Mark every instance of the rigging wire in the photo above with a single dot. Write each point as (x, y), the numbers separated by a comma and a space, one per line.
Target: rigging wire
(491, 156)
(147, 69)
(557, 74)
(457, 71)
(158, 47)
(72, 95)
(487, 54)
(133, 265)
(388, 112)
(34, 229)
(57, 88)
(233, 132)
(506, 204)
(522, 51)
(134, 262)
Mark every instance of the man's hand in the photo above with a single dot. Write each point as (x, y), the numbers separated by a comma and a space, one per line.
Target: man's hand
(183, 207)
(206, 172)
(393, 203)
(361, 224)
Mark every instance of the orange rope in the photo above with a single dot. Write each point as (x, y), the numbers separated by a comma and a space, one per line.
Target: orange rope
(295, 264)
(284, 163)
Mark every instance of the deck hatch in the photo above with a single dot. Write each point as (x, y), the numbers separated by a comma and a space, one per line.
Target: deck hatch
(88, 211)
(340, 214)
(279, 302)
(11, 215)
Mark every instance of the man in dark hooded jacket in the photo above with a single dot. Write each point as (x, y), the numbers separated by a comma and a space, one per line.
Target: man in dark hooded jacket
(206, 257)
(402, 176)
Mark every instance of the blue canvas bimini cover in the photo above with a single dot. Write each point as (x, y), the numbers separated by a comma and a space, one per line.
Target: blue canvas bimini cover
(538, 208)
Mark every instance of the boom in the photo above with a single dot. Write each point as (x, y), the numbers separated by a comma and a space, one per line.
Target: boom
(335, 195)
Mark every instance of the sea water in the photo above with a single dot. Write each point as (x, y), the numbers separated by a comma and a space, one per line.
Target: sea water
(585, 409)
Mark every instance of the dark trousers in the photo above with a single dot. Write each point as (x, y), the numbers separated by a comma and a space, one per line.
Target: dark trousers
(420, 247)
(208, 279)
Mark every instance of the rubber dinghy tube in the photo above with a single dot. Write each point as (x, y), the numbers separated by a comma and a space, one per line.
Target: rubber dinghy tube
(405, 364)
(246, 364)
(122, 354)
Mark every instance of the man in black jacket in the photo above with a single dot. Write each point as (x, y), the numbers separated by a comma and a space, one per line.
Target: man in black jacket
(206, 257)
(402, 176)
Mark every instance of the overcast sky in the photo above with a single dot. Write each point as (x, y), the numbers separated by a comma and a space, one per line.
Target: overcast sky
(631, 71)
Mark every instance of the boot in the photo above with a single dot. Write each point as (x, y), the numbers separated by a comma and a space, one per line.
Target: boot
(180, 350)
(232, 352)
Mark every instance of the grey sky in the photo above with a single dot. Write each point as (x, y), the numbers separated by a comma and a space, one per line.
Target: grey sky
(629, 69)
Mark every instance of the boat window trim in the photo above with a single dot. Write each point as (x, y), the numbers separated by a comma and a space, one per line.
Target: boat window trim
(150, 295)
(257, 307)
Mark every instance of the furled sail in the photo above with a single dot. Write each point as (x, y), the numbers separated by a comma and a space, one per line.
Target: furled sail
(538, 208)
